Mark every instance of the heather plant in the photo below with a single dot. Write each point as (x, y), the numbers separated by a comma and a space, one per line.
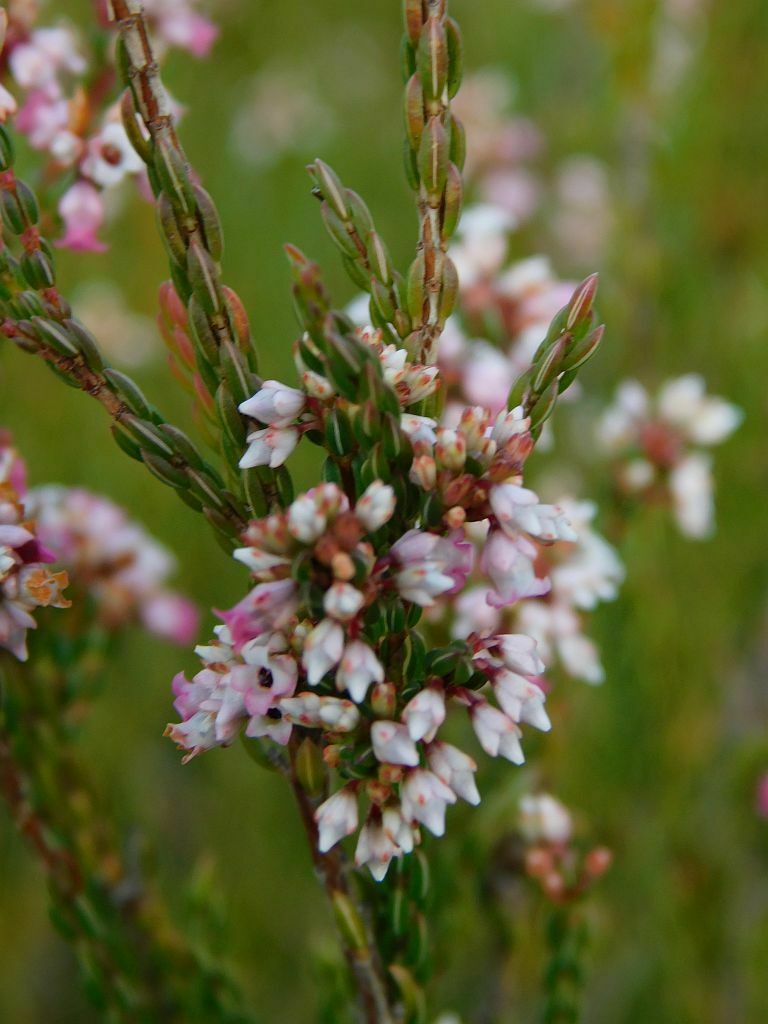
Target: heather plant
(399, 614)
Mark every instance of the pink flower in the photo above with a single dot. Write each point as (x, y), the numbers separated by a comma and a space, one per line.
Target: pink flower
(172, 616)
(517, 508)
(82, 210)
(510, 565)
(186, 29)
(268, 606)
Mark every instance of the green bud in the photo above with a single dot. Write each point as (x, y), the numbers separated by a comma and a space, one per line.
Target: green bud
(455, 56)
(332, 189)
(204, 278)
(37, 268)
(208, 217)
(164, 471)
(337, 229)
(433, 160)
(432, 58)
(7, 155)
(310, 768)
(349, 921)
(414, 111)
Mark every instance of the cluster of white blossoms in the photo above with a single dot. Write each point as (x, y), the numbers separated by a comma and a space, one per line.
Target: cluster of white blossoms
(26, 582)
(325, 642)
(577, 576)
(658, 444)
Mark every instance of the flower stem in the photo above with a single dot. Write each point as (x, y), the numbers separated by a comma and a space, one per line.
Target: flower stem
(354, 930)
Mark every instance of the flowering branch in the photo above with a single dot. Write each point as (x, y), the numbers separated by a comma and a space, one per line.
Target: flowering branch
(37, 319)
(191, 230)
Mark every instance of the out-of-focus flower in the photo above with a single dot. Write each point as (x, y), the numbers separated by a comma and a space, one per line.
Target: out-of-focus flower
(655, 443)
(82, 210)
(545, 819)
(26, 582)
(112, 558)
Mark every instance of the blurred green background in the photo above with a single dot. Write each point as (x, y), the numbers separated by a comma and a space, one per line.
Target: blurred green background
(662, 761)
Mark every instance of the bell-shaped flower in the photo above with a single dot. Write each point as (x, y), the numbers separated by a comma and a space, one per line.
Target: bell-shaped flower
(342, 601)
(359, 668)
(521, 699)
(510, 565)
(456, 769)
(392, 744)
(424, 798)
(274, 404)
(497, 733)
(336, 818)
(323, 649)
(375, 506)
(424, 714)
(269, 447)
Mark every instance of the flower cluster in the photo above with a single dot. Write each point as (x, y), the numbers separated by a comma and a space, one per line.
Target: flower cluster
(325, 641)
(574, 579)
(657, 444)
(61, 102)
(26, 582)
(114, 560)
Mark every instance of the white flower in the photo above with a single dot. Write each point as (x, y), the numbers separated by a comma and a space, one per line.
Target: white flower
(481, 243)
(544, 819)
(424, 714)
(323, 649)
(336, 818)
(398, 828)
(620, 422)
(111, 157)
(420, 429)
(519, 653)
(521, 699)
(8, 104)
(421, 578)
(342, 601)
(375, 506)
(592, 570)
(704, 419)
(497, 733)
(456, 769)
(424, 798)
(274, 404)
(517, 508)
(556, 625)
(358, 669)
(312, 711)
(259, 561)
(375, 848)
(392, 744)
(509, 425)
(692, 492)
(269, 447)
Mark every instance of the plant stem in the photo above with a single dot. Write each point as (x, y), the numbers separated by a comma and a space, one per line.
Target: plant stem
(354, 930)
